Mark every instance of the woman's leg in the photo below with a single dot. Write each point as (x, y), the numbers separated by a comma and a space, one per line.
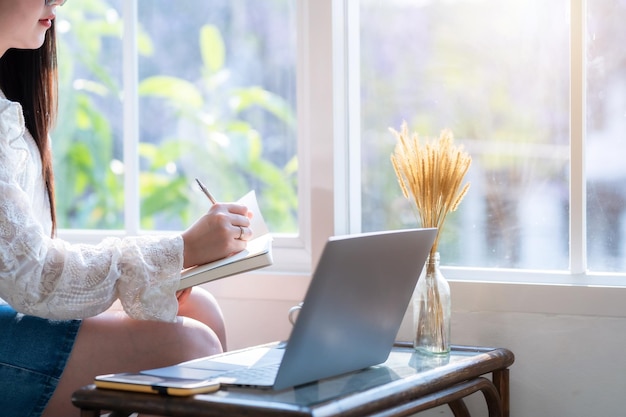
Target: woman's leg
(112, 342)
(202, 306)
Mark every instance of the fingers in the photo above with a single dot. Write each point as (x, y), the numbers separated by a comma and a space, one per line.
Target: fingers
(183, 295)
(235, 208)
(239, 218)
(243, 232)
(239, 215)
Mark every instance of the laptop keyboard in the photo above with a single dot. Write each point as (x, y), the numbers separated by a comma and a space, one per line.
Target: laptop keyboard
(255, 376)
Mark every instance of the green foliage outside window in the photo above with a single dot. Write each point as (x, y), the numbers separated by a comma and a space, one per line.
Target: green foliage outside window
(211, 124)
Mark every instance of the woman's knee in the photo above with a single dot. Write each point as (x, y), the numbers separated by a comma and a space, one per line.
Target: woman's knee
(202, 306)
(199, 338)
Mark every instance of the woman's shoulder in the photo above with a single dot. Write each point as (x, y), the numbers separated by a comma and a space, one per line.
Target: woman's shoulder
(11, 120)
(15, 153)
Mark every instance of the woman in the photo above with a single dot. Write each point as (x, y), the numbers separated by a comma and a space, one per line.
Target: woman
(59, 325)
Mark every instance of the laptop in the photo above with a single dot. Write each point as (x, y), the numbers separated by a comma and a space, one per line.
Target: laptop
(349, 319)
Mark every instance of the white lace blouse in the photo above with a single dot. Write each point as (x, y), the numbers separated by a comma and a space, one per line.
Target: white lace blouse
(51, 278)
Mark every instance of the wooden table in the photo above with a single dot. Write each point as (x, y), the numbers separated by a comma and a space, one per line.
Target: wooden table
(408, 382)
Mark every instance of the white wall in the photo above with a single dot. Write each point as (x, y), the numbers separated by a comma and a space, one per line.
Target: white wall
(564, 365)
(568, 341)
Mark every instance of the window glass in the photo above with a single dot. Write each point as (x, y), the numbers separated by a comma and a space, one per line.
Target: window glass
(216, 88)
(497, 74)
(606, 139)
(217, 102)
(87, 141)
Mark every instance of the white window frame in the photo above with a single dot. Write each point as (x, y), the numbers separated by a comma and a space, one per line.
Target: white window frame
(329, 180)
(577, 291)
(578, 274)
(295, 250)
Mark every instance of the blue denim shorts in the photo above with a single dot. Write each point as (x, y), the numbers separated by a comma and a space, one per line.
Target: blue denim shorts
(33, 354)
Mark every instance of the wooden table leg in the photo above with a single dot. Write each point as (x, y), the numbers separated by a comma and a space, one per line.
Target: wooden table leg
(458, 408)
(501, 381)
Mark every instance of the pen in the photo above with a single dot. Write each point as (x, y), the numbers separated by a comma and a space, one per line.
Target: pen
(206, 191)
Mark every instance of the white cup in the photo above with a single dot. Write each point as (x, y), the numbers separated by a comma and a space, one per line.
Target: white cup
(293, 313)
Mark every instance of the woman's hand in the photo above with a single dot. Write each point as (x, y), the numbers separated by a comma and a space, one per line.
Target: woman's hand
(183, 295)
(221, 232)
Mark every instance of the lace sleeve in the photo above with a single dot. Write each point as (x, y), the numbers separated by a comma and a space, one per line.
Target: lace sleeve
(51, 278)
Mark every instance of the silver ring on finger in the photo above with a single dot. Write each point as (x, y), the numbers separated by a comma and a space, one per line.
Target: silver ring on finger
(240, 232)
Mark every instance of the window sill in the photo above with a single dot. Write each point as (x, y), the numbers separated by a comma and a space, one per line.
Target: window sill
(467, 295)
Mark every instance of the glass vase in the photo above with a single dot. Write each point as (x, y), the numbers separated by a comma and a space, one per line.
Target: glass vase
(431, 310)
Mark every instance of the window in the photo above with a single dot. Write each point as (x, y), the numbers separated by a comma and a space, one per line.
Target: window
(498, 74)
(155, 95)
(536, 103)
(606, 124)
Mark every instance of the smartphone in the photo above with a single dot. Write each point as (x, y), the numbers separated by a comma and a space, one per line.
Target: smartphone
(138, 382)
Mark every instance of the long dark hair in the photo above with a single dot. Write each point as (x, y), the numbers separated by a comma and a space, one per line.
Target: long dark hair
(29, 77)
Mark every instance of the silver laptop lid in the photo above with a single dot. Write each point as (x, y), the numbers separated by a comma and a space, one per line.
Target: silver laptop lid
(355, 304)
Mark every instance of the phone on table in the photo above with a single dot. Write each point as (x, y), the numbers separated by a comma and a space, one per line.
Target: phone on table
(138, 382)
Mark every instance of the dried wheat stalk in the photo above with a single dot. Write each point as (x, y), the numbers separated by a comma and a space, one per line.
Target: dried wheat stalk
(431, 173)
